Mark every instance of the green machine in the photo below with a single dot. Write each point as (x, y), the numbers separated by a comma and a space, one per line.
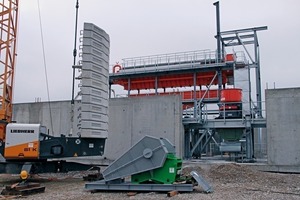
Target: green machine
(152, 165)
(168, 173)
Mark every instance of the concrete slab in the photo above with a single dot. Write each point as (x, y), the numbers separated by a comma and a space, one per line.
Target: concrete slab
(283, 127)
(130, 119)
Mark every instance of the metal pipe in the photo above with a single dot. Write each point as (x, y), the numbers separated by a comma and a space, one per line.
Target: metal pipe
(218, 30)
(195, 95)
(220, 81)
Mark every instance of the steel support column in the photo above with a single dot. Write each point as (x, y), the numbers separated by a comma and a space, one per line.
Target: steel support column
(187, 138)
(129, 88)
(194, 95)
(156, 85)
(197, 143)
(258, 79)
(249, 144)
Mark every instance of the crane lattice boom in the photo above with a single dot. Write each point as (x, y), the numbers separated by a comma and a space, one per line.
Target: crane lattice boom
(8, 36)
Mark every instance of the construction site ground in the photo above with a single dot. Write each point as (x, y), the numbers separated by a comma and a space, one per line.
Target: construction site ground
(229, 181)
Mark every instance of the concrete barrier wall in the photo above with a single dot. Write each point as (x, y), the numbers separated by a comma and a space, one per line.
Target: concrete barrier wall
(132, 118)
(129, 120)
(39, 113)
(283, 127)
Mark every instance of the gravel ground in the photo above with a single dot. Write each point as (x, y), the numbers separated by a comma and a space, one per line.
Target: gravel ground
(229, 181)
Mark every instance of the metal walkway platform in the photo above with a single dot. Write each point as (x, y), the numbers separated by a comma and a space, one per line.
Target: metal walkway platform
(226, 123)
(183, 61)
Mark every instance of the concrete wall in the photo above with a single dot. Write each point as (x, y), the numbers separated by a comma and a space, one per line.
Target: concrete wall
(132, 118)
(283, 127)
(129, 120)
(39, 113)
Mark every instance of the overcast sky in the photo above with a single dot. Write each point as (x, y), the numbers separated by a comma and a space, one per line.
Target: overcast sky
(144, 27)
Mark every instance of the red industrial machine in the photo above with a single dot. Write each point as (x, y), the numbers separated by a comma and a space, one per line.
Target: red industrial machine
(146, 74)
(231, 103)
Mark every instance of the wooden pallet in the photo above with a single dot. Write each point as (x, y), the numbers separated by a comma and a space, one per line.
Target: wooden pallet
(23, 189)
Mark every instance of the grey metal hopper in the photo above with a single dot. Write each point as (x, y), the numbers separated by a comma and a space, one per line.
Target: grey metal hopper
(148, 154)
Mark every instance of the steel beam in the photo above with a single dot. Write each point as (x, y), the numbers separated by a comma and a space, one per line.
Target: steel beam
(197, 143)
(230, 38)
(261, 28)
(238, 43)
(242, 43)
(102, 186)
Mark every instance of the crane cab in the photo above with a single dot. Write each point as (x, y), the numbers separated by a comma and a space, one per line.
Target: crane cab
(22, 141)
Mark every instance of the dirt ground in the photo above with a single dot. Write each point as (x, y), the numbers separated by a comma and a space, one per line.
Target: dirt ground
(229, 181)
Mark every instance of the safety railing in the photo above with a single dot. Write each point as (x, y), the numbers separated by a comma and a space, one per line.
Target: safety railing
(224, 111)
(240, 57)
(175, 60)
(206, 56)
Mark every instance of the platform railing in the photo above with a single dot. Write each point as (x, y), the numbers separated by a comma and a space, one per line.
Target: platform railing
(205, 113)
(240, 57)
(206, 56)
(173, 61)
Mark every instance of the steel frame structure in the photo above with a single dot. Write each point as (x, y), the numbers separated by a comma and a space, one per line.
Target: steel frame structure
(243, 37)
(199, 131)
(8, 44)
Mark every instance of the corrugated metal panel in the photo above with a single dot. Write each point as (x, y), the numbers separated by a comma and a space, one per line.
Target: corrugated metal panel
(93, 83)
(94, 75)
(93, 125)
(89, 99)
(100, 68)
(98, 37)
(97, 108)
(94, 92)
(94, 133)
(93, 117)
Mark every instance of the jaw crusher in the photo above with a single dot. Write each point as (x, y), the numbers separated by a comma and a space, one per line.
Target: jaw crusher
(152, 165)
